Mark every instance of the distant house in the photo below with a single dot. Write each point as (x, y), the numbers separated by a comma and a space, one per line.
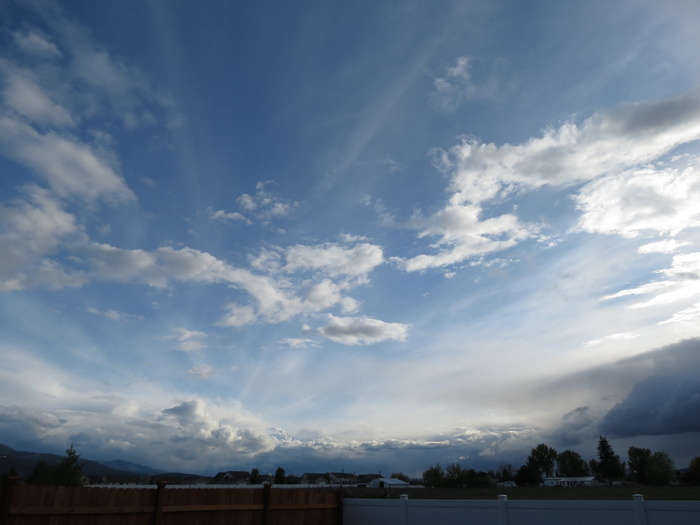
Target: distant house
(202, 480)
(341, 478)
(232, 477)
(587, 481)
(123, 479)
(507, 484)
(388, 483)
(175, 478)
(364, 479)
(315, 478)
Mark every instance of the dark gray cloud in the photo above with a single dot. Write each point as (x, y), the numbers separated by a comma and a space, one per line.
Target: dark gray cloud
(660, 404)
(577, 426)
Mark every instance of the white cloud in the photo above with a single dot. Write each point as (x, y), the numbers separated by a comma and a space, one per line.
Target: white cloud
(298, 342)
(613, 144)
(202, 371)
(456, 87)
(238, 315)
(230, 216)
(641, 201)
(23, 95)
(333, 259)
(362, 330)
(116, 315)
(608, 142)
(191, 346)
(266, 205)
(667, 246)
(188, 340)
(689, 316)
(35, 43)
(158, 267)
(199, 431)
(346, 237)
(247, 202)
(622, 336)
(71, 167)
(32, 227)
(682, 281)
(463, 234)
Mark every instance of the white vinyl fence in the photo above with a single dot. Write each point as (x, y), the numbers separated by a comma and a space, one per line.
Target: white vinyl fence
(519, 512)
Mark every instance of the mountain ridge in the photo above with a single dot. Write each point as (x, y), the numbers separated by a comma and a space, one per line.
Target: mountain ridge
(24, 461)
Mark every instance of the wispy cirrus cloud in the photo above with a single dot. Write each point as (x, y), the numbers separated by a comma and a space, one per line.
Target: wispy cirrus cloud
(187, 340)
(681, 280)
(116, 315)
(460, 85)
(35, 42)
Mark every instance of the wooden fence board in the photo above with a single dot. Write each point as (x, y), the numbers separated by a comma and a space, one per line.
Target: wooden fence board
(47, 505)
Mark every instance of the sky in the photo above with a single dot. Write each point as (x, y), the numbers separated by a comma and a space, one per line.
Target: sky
(363, 236)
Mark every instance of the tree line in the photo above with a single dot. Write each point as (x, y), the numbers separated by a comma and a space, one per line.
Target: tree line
(642, 466)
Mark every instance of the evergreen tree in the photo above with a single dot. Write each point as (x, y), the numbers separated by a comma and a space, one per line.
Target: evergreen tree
(68, 472)
(608, 467)
(42, 474)
(280, 476)
(401, 476)
(254, 476)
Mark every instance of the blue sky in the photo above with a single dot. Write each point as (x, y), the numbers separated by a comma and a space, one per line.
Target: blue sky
(375, 235)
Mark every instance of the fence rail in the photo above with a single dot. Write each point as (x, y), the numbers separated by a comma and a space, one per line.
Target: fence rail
(520, 512)
(44, 505)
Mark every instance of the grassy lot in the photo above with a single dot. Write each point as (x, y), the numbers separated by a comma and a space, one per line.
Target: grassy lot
(684, 493)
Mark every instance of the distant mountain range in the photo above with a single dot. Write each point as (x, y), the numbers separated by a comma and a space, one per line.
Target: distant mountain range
(120, 464)
(24, 462)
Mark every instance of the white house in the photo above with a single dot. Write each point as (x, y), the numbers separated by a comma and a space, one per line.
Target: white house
(587, 481)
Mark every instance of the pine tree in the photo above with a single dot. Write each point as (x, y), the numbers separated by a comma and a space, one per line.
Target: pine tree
(69, 470)
(608, 467)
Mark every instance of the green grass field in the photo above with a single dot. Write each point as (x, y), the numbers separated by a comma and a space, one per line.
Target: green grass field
(684, 493)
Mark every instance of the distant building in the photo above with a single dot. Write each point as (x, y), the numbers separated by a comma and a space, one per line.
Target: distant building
(315, 478)
(364, 479)
(587, 481)
(232, 477)
(388, 483)
(121, 479)
(341, 478)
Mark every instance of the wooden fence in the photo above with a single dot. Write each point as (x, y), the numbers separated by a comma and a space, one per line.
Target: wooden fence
(49, 505)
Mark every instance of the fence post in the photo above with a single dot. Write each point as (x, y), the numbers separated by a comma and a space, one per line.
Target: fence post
(7, 490)
(158, 503)
(639, 510)
(339, 508)
(404, 505)
(266, 503)
(503, 509)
